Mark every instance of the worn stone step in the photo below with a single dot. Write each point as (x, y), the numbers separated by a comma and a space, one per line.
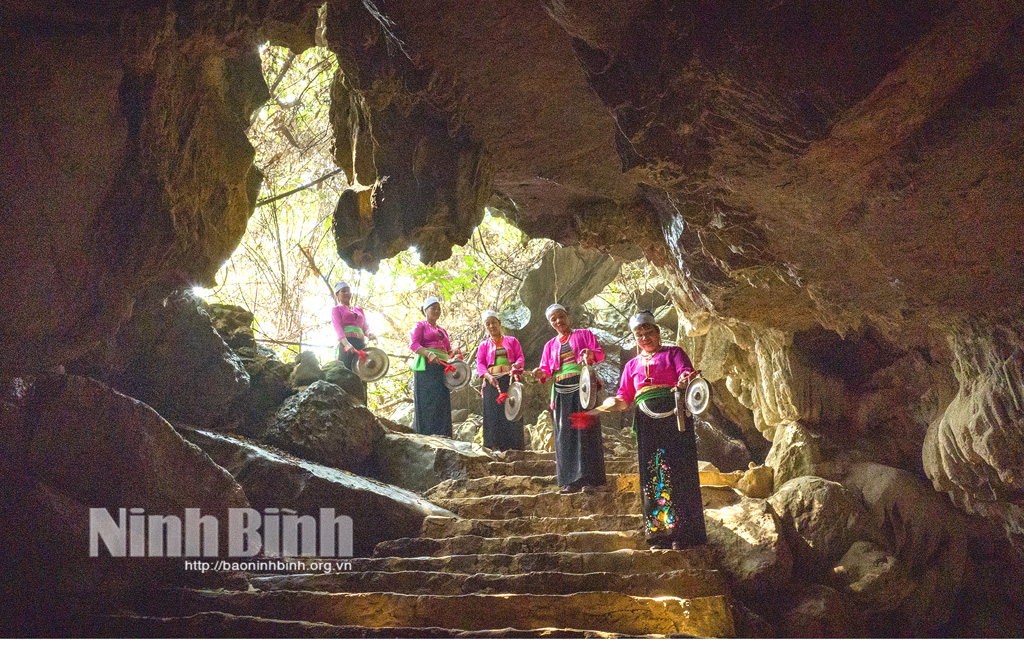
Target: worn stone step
(439, 527)
(706, 616)
(223, 625)
(514, 454)
(512, 545)
(619, 561)
(518, 485)
(681, 584)
(551, 505)
(547, 467)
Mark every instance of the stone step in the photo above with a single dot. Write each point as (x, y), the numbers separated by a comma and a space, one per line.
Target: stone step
(705, 616)
(513, 545)
(513, 455)
(682, 584)
(518, 485)
(222, 625)
(550, 505)
(545, 468)
(439, 527)
(619, 561)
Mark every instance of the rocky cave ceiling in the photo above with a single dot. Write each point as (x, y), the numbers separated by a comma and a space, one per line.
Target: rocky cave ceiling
(794, 166)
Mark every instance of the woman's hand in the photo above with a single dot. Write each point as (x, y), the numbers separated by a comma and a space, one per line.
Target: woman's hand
(539, 373)
(613, 404)
(685, 378)
(371, 336)
(588, 356)
(493, 381)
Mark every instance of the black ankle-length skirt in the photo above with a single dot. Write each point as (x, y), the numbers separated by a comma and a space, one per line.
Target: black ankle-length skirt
(579, 452)
(432, 402)
(500, 434)
(672, 507)
(348, 360)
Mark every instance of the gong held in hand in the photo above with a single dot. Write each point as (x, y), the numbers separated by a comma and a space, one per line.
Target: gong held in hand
(373, 364)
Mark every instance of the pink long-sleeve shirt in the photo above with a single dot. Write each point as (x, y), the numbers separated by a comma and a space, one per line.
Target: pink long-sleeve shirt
(348, 316)
(663, 370)
(485, 353)
(425, 335)
(579, 339)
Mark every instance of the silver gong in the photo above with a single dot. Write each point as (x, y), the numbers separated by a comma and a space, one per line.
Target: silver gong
(458, 378)
(374, 367)
(590, 387)
(514, 402)
(698, 396)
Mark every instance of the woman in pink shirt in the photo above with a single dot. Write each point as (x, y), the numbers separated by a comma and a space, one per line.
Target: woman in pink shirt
(496, 359)
(579, 452)
(350, 326)
(432, 402)
(669, 482)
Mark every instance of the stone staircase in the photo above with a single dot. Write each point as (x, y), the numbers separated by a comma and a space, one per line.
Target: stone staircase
(519, 560)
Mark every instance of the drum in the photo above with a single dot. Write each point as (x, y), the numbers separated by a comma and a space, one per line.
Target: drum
(458, 378)
(590, 387)
(514, 402)
(374, 367)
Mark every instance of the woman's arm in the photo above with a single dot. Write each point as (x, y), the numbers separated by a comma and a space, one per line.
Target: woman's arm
(482, 359)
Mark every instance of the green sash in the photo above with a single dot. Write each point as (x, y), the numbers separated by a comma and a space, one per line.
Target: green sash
(656, 392)
(420, 363)
(352, 331)
(566, 371)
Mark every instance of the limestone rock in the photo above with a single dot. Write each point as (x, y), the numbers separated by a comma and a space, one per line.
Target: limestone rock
(750, 547)
(975, 450)
(234, 324)
(820, 520)
(581, 274)
(70, 444)
(757, 481)
(336, 373)
(322, 424)
(306, 370)
(171, 357)
(796, 452)
(542, 433)
(873, 577)
(923, 531)
(417, 462)
(271, 478)
(818, 612)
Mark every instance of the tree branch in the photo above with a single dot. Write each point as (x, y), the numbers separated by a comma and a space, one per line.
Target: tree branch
(267, 201)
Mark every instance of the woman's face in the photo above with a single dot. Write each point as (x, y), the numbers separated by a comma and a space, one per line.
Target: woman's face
(493, 327)
(559, 321)
(648, 337)
(344, 296)
(433, 312)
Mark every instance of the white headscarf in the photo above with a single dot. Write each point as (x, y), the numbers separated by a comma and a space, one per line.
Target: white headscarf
(428, 302)
(342, 284)
(641, 318)
(489, 314)
(552, 308)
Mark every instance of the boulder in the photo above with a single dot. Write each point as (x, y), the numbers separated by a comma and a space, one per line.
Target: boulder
(234, 324)
(335, 372)
(571, 273)
(321, 424)
(418, 462)
(306, 370)
(720, 441)
(69, 444)
(820, 520)
(542, 433)
(750, 548)
(819, 612)
(269, 387)
(924, 532)
(272, 478)
(170, 356)
(873, 578)
(796, 452)
(758, 481)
